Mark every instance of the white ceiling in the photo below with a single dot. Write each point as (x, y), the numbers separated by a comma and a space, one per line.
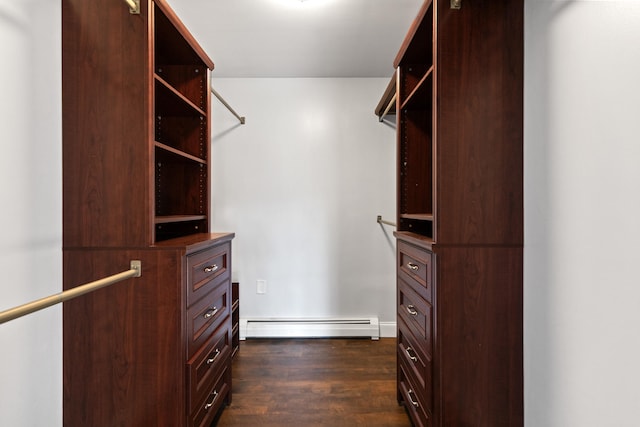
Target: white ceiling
(293, 38)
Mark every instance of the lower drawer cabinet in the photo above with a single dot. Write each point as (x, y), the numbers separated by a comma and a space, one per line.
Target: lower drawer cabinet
(417, 364)
(416, 313)
(206, 315)
(207, 363)
(412, 402)
(214, 398)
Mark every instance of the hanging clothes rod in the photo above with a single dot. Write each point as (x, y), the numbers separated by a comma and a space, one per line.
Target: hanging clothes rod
(221, 99)
(33, 306)
(386, 110)
(384, 221)
(134, 6)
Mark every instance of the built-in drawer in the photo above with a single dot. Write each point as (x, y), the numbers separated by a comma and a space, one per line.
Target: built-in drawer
(418, 413)
(206, 315)
(416, 313)
(207, 363)
(417, 364)
(416, 264)
(207, 269)
(207, 408)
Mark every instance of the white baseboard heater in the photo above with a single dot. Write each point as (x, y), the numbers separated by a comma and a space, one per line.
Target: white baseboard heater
(310, 328)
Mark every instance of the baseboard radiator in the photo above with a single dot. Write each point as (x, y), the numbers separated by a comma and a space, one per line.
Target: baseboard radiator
(310, 328)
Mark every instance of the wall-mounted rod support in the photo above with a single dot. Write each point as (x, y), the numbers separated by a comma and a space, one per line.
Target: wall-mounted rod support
(384, 221)
(30, 307)
(389, 105)
(134, 6)
(221, 99)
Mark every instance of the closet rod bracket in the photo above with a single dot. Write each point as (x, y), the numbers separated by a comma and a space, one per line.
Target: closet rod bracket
(134, 6)
(137, 266)
(456, 4)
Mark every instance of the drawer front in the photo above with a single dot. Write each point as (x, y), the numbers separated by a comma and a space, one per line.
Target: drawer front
(214, 398)
(417, 364)
(207, 363)
(412, 402)
(415, 265)
(206, 315)
(206, 270)
(416, 313)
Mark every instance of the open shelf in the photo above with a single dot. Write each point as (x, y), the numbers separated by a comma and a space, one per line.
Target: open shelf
(418, 89)
(170, 101)
(419, 217)
(180, 153)
(190, 81)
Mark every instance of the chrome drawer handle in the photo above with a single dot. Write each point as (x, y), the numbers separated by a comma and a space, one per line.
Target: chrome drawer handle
(413, 401)
(412, 310)
(208, 405)
(211, 359)
(413, 358)
(211, 268)
(413, 266)
(210, 313)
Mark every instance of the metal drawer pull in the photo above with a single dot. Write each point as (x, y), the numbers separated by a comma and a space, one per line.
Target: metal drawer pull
(211, 268)
(210, 313)
(208, 405)
(413, 266)
(211, 359)
(412, 310)
(411, 398)
(413, 358)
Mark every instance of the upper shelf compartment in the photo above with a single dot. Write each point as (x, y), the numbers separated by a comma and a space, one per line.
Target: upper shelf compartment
(417, 47)
(190, 81)
(173, 43)
(416, 89)
(180, 62)
(415, 61)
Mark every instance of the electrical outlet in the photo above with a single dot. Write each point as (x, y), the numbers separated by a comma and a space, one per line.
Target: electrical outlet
(261, 286)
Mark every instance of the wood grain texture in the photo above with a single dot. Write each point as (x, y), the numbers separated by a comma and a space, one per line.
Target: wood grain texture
(315, 382)
(478, 336)
(105, 125)
(123, 344)
(479, 116)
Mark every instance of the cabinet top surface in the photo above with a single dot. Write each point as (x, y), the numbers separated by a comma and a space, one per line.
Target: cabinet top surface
(195, 242)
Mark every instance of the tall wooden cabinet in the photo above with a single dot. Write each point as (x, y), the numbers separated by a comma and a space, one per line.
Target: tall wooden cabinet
(156, 350)
(460, 214)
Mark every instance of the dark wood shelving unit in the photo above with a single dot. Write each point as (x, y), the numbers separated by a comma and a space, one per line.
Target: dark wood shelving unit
(460, 215)
(136, 172)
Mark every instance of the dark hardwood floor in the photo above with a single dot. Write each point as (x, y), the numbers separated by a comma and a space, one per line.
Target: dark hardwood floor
(315, 382)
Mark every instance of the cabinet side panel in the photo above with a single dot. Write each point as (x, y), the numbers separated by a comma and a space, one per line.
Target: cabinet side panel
(479, 336)
(123, 356)
(479, 110)
(106, 110)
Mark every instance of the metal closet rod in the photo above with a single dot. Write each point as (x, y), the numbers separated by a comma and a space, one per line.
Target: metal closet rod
(36, 305)
(384, 221)
(221, 99)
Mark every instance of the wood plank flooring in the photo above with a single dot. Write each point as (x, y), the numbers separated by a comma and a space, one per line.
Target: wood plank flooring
(315, 382)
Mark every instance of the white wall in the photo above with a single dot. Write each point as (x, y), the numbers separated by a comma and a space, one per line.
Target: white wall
(582, 210)
(30, 191)
(301, 183)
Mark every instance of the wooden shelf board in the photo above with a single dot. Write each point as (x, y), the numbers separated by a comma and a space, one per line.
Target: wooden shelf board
(419, 217)
(166, 219)
(179, 153)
